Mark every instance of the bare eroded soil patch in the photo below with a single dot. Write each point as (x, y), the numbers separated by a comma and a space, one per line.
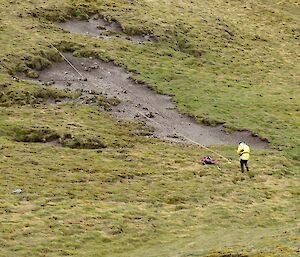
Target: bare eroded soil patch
(100, 28)
(138, 102)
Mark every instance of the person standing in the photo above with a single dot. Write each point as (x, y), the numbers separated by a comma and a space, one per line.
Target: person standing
(244, 153)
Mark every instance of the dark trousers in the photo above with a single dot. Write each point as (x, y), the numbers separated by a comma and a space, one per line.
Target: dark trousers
(244, 162)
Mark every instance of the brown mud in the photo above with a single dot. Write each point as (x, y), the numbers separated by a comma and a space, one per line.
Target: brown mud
(138, 102)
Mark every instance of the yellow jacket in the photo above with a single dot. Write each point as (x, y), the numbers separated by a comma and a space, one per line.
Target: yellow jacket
(244, 151)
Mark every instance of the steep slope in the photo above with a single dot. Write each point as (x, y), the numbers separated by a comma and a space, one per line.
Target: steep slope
(96, 186)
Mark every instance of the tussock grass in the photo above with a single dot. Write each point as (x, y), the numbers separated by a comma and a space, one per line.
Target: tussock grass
(16, 92)
(234, 62)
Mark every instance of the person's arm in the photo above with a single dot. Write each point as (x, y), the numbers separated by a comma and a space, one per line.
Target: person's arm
(240, 150)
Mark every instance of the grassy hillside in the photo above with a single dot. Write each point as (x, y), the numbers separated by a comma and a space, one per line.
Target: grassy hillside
(110, 191)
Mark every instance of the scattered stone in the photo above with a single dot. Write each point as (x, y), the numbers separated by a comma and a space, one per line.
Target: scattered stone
(150, 115)
(17, 191)
(49, 83)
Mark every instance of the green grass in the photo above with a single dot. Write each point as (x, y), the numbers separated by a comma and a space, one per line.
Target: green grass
(122, 199)
(246, 75)
(232, 62)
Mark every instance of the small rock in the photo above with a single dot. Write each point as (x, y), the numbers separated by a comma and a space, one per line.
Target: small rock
(17, 191)
(173, 136)
(50, 83)
(150, 115)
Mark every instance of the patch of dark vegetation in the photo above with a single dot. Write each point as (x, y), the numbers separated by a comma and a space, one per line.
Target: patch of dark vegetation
(30, 63)
(45, 135)
(54, 13)
(81, 142)
(23, 94)
(209, 122)
(35, 135)
(183, 45)
(229, 254)
(67, 46)
(80, 50)
(107, 103)
(145, 131)
(175, 199)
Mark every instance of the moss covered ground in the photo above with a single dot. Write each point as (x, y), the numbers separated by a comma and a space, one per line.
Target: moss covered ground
(231, 62)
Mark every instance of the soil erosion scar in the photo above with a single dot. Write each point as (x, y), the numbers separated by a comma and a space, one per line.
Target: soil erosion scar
(100, 28)
(113, 81)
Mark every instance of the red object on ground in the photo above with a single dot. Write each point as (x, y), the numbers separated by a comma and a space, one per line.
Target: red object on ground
(207, 160)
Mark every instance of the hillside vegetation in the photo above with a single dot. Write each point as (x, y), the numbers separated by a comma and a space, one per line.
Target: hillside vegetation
(96, 186)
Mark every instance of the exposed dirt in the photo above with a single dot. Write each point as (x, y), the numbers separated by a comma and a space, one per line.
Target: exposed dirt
(99, 28)
(138, 102)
